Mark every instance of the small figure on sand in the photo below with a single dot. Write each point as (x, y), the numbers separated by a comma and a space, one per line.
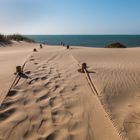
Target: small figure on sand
(68, 46)
(41, 46)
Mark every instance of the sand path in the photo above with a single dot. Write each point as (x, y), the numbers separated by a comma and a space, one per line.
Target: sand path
(54, 103)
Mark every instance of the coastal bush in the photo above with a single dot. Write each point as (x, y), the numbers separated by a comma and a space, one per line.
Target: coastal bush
(6, 39)
(116, 45)
(18, 37)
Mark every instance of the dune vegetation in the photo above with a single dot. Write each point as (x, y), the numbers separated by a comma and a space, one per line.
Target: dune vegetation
(116, 45)
(7, 39)
(4, 39)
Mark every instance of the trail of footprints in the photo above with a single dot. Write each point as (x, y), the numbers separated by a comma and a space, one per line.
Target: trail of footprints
(37, 105)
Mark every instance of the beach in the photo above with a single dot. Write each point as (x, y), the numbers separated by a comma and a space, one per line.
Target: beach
(11, 56)
(54, 101)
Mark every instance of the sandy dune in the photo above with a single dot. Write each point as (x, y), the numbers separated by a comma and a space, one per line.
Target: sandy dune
(10, 57)
(117, 80)
(53, 101)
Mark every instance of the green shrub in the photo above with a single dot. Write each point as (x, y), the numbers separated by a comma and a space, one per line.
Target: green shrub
(116, 45)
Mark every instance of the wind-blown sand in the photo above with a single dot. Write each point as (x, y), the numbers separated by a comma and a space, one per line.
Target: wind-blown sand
(117, 79)
(10, 57)
(55, 102)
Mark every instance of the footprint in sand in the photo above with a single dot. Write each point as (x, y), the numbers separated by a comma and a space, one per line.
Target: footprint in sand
(7, 104)
(51, 101)
(5, 114)
(31, 59)
(33, 80)
(28, 72)
(12, 93)
(42, 97)
(55, 87)
(43, 78)
(36, 63)
(74, 87)
(44, 67)
(51, 136)
(61, 116)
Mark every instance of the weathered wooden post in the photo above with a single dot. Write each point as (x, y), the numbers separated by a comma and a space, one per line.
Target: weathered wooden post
(35, 50)
(84, 67)
(19, 70)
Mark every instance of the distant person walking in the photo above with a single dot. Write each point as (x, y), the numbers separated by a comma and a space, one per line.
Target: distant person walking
(41, 46)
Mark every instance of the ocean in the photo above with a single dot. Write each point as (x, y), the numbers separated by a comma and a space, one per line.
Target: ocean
(88, 40)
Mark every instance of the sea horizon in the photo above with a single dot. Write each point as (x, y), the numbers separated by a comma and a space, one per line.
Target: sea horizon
(88, 40)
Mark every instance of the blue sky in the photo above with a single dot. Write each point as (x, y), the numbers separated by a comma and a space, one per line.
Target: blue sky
(70, 16)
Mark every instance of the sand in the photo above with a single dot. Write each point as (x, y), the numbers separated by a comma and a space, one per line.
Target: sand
(53, 101)
(116, 76)
(11, 56)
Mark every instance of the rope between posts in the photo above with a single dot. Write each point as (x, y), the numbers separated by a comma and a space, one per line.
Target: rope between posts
(91, 84)
(17, 78)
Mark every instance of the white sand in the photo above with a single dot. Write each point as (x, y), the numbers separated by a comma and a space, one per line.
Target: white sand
(56, 102)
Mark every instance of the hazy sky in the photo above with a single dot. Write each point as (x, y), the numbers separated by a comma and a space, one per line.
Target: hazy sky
(70, 16)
